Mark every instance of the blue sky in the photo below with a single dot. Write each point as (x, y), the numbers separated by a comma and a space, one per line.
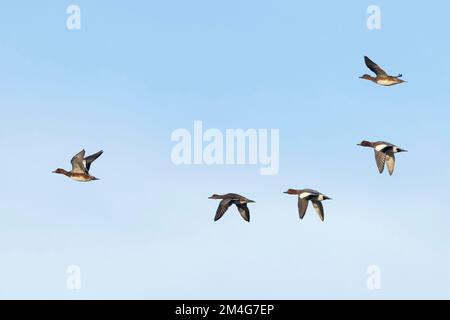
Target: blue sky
(136, 72)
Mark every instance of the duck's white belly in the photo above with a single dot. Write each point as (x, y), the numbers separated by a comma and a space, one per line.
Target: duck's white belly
(386, 82)
(79, 178)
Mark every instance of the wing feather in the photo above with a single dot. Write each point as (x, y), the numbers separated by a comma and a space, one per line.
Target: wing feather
(302, 206)
(319, 208)
(243, 210)
(88, 160)
(374, 67)
(77, 163)
(390, 161)
(380, 158)
(223, 207)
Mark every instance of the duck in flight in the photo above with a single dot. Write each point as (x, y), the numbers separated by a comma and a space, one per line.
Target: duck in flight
(230, 199)
(382, 78)
(306, 195)
(384, 154)
(80, 167)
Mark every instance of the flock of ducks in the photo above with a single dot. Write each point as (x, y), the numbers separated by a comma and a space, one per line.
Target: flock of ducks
(384, 156)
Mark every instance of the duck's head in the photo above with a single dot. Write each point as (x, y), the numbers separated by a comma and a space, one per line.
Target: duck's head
(291, 191)
(366, 77)
(60, 171)
(215, 196)
(365, 143)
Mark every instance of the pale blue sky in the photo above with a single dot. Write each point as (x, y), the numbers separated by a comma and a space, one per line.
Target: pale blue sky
(137, 71)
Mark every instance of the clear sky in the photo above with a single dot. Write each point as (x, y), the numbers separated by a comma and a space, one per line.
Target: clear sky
(137, 71)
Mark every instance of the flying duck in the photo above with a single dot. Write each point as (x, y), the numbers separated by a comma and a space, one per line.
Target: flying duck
(384, 153)
(80, 167)
(229, 199)
(306, 195)
(382, 78)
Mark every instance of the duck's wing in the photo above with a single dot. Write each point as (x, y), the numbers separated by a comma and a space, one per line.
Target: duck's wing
(374, 67)
(243, 210)
(390, 161)
(302, 206)
(380, 158)
(319, 208)
(305, 193)
(88, 160)
(223, 207)
(77, 162)
(382, 145)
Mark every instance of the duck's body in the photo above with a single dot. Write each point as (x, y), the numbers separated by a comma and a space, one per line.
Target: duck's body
(384, 154)
(305, 195)
(230, 199)
(382, 78)
(80, 167)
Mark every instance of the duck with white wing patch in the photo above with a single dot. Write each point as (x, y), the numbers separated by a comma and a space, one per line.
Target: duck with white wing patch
(305, 195)
(384, 154)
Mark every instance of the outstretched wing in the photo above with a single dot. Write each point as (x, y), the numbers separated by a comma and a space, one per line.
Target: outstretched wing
(302, 206)
(243, 210)
(390, 161)
(374, 67)
(91, 158)
(77, 162)
(319, 208)
(380, 158)
(223, 207)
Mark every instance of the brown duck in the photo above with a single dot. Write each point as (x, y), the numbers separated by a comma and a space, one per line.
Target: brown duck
(80, 167)
(384, 154)
(382, 78)
(229, 199)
